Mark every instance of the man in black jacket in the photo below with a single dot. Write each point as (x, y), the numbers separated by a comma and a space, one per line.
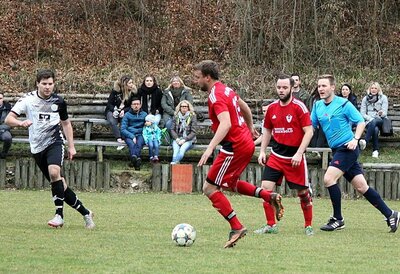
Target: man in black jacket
(5, 134)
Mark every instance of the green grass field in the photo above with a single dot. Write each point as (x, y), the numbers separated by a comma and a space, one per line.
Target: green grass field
(133, 236)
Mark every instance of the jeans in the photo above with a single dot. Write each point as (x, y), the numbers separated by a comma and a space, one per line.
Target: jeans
(6, 137)
(179, 151)
(154, 147)
(114, 124)
(373, 132)
(135, 149)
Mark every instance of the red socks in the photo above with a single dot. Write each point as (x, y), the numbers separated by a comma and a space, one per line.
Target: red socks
(222, 204)
(307, 207)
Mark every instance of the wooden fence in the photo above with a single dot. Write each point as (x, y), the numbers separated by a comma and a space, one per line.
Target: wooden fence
(92, 175)
(384, 178)
(82, 175)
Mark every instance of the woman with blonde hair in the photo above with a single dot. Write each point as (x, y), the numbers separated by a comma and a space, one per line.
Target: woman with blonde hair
(118, 104)
(173, 94)
(183, 130)
(374, 107)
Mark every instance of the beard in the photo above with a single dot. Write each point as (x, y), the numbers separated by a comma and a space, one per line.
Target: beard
(203, 88)
(285, 99)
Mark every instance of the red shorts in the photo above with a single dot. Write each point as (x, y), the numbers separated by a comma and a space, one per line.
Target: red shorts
(227, 167)
(282, 166)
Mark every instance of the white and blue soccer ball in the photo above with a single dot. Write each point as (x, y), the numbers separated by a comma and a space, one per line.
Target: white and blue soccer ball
(183, 235)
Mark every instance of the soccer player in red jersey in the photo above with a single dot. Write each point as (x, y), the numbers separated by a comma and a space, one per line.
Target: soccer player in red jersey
(288, 121)
(232, 124)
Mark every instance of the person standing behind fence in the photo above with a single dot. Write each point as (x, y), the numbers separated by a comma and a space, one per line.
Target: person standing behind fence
(173, 94)
(152, 137)
(150, 96)
(183, 130)
(298, 91)
(334, 114)
(118, 103)
(45, 112)
(264, 108)
(233, 128)
(288, 120)
(374, 107)
(5, 134)
(131, 130)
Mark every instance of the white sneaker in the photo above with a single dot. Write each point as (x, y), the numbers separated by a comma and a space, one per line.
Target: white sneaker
(375, 154)
(120, 147)
(88, 218)
(57, 221)
(362, 143)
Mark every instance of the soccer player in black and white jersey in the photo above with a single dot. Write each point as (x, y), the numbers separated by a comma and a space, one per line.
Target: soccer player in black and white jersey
(45, 112)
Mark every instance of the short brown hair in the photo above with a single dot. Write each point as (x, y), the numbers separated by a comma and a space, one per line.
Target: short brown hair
(208, 68)
(330, 77)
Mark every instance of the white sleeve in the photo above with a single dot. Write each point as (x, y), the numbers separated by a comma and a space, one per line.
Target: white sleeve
(20, 106)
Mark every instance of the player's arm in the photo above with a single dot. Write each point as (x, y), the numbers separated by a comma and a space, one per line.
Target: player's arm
(12, 121)
(248, 117)
(266, 138)
(308, 133)
(222, 130)
(69, 135)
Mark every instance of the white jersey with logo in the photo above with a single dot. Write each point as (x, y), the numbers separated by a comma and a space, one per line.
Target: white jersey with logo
(45, 115)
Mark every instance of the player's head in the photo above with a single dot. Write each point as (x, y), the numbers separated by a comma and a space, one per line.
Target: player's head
(326, 87)
(205, 74)
(296, 78)
(284, 87)
(264, 107)
(45, 82)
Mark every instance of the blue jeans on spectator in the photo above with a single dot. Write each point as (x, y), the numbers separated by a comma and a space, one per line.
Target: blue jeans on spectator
(154, 147)
(114, 124)
(373, 131)
(179, 151)
(135, 149)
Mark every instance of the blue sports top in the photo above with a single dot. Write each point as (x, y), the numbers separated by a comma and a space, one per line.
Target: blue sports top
(334, 119)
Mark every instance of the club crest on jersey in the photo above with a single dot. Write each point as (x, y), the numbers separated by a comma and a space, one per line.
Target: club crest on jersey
(274, 116)
(54, 107)
(289, 118)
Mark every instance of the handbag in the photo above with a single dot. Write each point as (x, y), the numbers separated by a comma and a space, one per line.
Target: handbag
(387, 128)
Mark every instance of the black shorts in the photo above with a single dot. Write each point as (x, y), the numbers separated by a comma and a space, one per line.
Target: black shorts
(52, 155)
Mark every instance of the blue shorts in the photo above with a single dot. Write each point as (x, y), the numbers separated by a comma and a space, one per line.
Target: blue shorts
(346, 160)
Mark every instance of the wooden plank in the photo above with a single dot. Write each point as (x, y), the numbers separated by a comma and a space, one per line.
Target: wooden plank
(32, 174)
(24, 173)
(66, 171)
(17, 173)
(99, 181)
(85, 175)
(99, 150)
(3, 170)
(199, 179)
(107, 175)
(165, 171)
(156, 176)
(71, 181)
(379, 182)
(395, 185)
(78, 167)
(251, 174)
(259, 171)
(387, 185)
(93, 176)
(40, 178)
(88, 130)
(372, 176)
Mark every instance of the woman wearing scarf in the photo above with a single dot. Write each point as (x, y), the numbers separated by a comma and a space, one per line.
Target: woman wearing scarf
(183, 130)
(374, 107)
(150, 95)
(176, 92)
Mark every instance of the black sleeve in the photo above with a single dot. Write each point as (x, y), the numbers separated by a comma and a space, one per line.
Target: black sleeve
(62, 110)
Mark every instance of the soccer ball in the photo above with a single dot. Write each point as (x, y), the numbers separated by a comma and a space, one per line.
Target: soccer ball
(183, 235)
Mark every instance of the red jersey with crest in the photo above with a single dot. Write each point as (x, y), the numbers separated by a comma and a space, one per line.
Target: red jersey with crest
(223, 98)
(287, 122)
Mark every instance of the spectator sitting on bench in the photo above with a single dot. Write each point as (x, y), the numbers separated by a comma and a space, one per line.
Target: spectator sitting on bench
(132, 129)
(183, 130)
(374, 107)
(152, 137)
(5, 134)
(150, 96)
(173, 94)
(347, 92)
(118, 104)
